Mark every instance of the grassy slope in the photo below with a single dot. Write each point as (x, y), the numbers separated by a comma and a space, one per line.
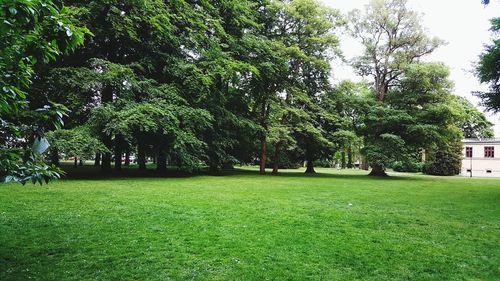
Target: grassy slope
(249, 227)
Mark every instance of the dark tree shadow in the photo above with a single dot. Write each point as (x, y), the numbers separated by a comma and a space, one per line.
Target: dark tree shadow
(94, 173)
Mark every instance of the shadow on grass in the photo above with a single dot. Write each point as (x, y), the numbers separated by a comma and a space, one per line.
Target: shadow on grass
(94, 173)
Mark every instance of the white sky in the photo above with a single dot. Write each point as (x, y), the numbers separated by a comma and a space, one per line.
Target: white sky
(463, 24)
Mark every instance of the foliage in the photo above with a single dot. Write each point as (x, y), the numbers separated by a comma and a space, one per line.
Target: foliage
(392, 37)
(195, 84)
(33, 34)
(310, 42)
(324, 163)
(417, 114)
(407, 166)
(488, 70)
(76, 142)
(445, 161)
(474, 123)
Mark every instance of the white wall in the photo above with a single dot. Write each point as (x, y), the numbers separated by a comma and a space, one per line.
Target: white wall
(479, 163)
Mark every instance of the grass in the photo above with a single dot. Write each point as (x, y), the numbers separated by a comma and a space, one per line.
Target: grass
(330, 226)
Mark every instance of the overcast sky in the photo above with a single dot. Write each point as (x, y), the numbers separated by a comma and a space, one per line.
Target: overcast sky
(463, 24)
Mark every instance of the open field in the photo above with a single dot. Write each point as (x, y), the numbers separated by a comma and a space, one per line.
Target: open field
(330, 226)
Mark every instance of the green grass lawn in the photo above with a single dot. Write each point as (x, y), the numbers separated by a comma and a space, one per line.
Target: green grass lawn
(329, 226)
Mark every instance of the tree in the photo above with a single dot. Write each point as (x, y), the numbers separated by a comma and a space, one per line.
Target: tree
(474, 124)
(393, 39)
(418, 114)
(77, 143)
(488, 70)
(435, 119)
(33, 34)
(306, 30)
(348, 102)
(181, 67)
(445, 161)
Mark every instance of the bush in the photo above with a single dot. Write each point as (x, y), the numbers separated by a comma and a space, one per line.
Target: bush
(407, 166)
(446, 161)
(323, 163)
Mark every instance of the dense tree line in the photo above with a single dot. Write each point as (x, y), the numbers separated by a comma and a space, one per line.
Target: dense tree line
(195, 84)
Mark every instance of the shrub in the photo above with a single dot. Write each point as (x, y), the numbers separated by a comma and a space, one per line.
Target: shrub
(323, 163)
(446, 161)
(407, 166)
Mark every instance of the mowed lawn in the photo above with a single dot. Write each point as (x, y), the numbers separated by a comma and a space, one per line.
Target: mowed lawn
(329, 226)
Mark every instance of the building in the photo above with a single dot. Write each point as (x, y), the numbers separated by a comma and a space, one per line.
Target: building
(481, 158)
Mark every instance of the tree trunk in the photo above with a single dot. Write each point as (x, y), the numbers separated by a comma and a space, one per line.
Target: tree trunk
(161, 162)
(97, 161)
(141, 156)
(76, 162)
(343, 162)
(263, 154)
(381, 89)
(213, 169)
(106, 162)
(106, 96)
(349, 157)
(310, 166)
(127, 157)
(80, 162)
(364, 163)
(54, 157)
(378, 171)
(276, 159)
(118, 152)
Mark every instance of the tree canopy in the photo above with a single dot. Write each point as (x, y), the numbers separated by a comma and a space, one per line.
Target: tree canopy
(192, 85)
(488, 70)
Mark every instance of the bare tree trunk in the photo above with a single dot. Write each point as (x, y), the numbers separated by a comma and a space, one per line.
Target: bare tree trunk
(263, 154)
(310, 167)
(97, 161)
(364, 163)
(276, 158)
(76, 162)
(54, 157)
(118, 152)
(343, 162)
(263, 137)
(106, 96)
(141, 156)
(127, 157)
(349, 157)
(381, 88)
(106, 162)
(378, 171)
(161, 162)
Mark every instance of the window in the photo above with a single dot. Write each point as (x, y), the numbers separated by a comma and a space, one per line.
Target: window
(489, 152)
(468, 152)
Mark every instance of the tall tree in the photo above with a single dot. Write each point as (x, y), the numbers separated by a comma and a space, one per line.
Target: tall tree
(474, 124)
(393, 38)
(306, 29)
(488, 70)
(433, 118)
